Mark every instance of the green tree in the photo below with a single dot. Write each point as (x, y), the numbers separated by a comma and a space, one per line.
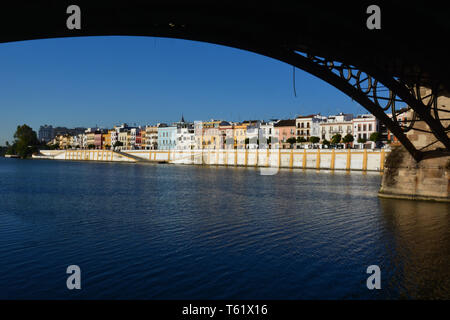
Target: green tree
(3, 151)
(120, 144)
(301, 139)
(348, 138)
(361, 140)
(375, 136)
(326, 142)
(291, 141)
(336, 138)
(314, 139)
(25, 142)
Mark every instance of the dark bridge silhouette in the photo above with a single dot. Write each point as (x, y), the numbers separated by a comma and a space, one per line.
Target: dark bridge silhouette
(383, 70)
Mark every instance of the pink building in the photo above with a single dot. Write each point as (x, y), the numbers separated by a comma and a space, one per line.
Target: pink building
(284, 129)
(98, 139)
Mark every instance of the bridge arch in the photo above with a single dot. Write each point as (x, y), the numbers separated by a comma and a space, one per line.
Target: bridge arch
(329, 42)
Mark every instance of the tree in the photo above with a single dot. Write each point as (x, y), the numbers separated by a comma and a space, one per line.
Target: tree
(336, 138)
(375, 136)
(119, 144)
(301, 139)
(25, 143)
(3, 151)
(361, 140)
(314, 139)
(291, 141)
(91, 146)
(326, 142)
(348, 139)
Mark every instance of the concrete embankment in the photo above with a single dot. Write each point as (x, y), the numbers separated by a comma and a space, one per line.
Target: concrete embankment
(365, 160)
(404, 178)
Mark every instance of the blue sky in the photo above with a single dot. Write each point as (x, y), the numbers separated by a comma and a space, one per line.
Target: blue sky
(104, 81)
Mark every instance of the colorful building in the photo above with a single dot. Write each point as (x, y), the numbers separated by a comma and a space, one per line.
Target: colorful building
(284, 129)
(167, 137)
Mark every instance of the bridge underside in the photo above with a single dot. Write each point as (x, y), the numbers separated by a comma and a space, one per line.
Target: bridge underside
(398, 73)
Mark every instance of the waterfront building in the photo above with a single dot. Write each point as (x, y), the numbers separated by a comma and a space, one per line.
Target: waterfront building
(198, 134)
(267, 134)
(63, 140)
(140, 139)
(185, 136)
(336, 124)
(252, 136)
(308, 126)
(46, 133)
(284, 129)
(131, 134)
(107, 140)
(79, 141)
(122, 138)
(363, 126)
(115, 133)
(167, 137)
(207, 134)
(74, 142)
(151, 137)
(90, 138)
(226, 132)
(240, 132)
(98, 139)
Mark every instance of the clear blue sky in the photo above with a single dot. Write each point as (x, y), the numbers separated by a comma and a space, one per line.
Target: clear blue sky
(104, 81)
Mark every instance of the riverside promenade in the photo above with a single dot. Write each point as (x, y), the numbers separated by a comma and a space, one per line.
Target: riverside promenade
(328, 159)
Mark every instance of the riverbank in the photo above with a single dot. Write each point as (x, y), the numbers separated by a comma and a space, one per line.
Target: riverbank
(349, 159)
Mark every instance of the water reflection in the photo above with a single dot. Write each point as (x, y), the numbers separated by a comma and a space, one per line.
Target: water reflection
(420, 247)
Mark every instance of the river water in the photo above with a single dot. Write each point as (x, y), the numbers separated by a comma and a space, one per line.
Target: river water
(145, 231)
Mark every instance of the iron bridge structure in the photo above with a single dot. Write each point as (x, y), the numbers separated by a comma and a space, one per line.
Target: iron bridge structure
(384, 70)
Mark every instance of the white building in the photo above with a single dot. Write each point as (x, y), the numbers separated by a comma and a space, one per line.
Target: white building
(336, 124)
(151, 137)
(363, 126)
(115, 133)
(185, 137)
(308, 126)
(252, 134)
(266, 134)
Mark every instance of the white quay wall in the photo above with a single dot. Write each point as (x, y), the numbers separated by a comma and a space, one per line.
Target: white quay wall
(349, 159)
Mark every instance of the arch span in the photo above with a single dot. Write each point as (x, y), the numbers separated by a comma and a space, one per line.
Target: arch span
(382, 69)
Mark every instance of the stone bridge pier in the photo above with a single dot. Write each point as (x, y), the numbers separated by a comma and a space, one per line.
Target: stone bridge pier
(428, 179)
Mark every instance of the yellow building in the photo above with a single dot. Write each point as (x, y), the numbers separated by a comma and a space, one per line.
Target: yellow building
(211, 137)
(90, 139)
(63, 140)
(107, 140)
(240, 132)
